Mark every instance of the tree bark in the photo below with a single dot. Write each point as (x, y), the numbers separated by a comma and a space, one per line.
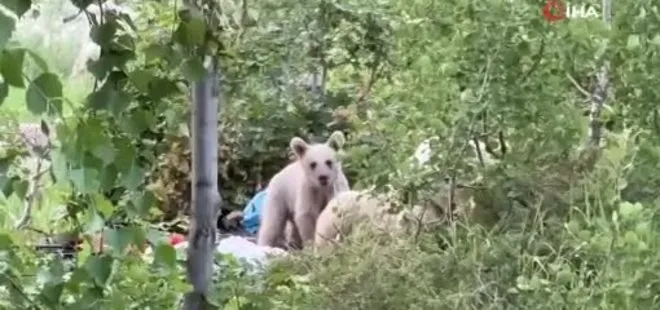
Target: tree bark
(599, 94)
(205, 196)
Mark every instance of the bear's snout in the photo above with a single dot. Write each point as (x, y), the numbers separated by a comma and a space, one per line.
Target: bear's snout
(323, 179)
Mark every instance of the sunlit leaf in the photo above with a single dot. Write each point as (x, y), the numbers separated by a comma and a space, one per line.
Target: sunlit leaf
(103, 205)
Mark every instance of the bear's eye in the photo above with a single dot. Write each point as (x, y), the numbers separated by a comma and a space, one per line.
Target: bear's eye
(328, 163)
(312, 165)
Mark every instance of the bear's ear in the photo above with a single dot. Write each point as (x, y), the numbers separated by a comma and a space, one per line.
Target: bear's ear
(336, 140)
(298, 146)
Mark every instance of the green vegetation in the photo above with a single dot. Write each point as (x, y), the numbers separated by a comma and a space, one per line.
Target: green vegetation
(556, 222)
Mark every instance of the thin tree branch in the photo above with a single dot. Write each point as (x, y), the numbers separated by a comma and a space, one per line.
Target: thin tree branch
(32, 195)
(500, 138)
(374, 75)
(577, 85)
(478, 149)
(535, 65)
(452, 194)
(599, 94)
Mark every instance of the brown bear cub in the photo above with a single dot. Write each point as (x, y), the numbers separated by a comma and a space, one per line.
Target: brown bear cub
(297, 194)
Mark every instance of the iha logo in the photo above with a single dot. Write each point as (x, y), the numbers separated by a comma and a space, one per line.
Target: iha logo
(556, 10)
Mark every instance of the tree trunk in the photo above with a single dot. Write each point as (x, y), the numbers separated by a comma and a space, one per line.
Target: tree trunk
(205, 197)
(599, 93)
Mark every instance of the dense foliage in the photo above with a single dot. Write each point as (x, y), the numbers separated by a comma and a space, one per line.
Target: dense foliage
(552, 223)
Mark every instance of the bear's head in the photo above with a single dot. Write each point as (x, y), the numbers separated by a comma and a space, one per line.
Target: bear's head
(319, 160)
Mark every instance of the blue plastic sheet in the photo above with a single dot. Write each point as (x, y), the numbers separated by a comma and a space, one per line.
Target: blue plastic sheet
(252, 213)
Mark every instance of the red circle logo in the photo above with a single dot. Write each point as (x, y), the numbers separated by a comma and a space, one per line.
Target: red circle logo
(558, 6)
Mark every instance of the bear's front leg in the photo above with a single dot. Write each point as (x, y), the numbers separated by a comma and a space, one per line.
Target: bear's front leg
(305, 221)
(273, 221)
(292, 236)
(305, 212)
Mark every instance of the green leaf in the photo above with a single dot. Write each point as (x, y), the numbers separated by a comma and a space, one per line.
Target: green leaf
(120, 238)
(140, 79)
(8, 186)
(40, 62)
(58, 165)
(193, 69)
(125, 154)
(154, 52)
(630, 210)
(44, 94)
(237, 303)
(78, 277)
(109, 98)
(6, 241)
(142, 202)
(133, 178)
(19, 7)
(136, 122)
(20, 187)
(106, 152)
(92, 162)
(156, 237)
(656, 40)
(191, 32)
(103, 205)
(99, 68)
(103, 34)
(91, 133)
(5, 164)
(4, 92)
(99, 268)
(633, 42)
(196, 30)
(139, 236)
(82, 4)
(165, 256)
(11, 66)
(108, 177)
(51, 276)
(93, 222)
(160, 88)
(424, 63)
(85, 180)
(51, 293)
(7, 27)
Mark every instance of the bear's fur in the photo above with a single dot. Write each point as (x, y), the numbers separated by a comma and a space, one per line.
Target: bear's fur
(297, 194)
(349, 208)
